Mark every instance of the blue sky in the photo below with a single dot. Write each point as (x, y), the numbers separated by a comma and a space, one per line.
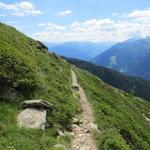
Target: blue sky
(83, 20)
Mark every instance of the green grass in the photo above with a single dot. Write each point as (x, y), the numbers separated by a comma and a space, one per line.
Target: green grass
(31, 72)
(28, 69)
(118, 115)
(20, 138)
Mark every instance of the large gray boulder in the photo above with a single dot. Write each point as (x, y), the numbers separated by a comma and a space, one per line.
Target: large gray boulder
(34, 114)
(32, 118)
(36, 104)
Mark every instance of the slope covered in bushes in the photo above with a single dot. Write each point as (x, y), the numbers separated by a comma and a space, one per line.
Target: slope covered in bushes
(29, 71)
(123, 120)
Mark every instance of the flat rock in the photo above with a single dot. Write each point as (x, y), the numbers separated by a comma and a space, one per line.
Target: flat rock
(60, 133)
(93, 126)
(84, 147)
(36, 104)
(32, 118)
(63, 147)
(76, 121)
(75, 87)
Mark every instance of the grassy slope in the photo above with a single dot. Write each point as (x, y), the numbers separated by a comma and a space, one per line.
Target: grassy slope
(28, 69)
(118, 115)
(134, 85)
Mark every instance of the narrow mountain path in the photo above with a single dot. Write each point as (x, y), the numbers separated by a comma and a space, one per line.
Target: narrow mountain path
(83, 139)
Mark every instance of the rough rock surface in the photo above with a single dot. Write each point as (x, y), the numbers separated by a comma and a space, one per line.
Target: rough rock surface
(32, 118)
(34, 115)
(36, 104)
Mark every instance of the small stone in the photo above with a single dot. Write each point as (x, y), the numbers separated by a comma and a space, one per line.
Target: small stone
(87, 131)
(60, 146)
(93, 126)
(84, 147)
(75, 120)
(70, 133)
(60, 133)
(75, 87)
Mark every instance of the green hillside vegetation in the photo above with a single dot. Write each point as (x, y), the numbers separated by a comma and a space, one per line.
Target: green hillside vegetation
(28, 71)
(119, 115)
(130, 84)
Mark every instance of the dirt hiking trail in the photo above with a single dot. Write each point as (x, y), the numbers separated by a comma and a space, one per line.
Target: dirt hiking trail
(83, 139)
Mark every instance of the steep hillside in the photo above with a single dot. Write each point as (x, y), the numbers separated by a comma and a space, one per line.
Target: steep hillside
(80, 50)
(134, 85)
(123, 120)
(28, 71)
(131, 57)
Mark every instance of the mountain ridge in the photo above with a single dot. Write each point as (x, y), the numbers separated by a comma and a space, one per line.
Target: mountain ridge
(79, 49)
(130, 57)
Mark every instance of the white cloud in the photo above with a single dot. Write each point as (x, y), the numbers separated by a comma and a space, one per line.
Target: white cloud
(52, 26)
(65, 13)
(20, 9)
(136, 23)
(75, 24)
(140, 14)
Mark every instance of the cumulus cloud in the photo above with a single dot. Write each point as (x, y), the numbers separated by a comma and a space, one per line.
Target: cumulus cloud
(52, 26)
(140, 14)
(136, 23)
(65, 13)
(20, 9)
(75, 24)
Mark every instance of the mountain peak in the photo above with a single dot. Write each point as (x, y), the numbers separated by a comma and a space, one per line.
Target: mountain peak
(132, 56)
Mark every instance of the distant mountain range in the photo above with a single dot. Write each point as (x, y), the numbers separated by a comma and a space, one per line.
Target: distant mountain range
(131, 57)
(81, 50)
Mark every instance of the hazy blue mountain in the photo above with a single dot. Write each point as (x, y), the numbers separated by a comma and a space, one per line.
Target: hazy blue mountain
(131, 57)
(51, 44)
(81, 50)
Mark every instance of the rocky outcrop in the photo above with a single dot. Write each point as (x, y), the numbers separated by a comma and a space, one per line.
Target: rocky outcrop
(34, 114)
(36, 104)
(39, 45)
